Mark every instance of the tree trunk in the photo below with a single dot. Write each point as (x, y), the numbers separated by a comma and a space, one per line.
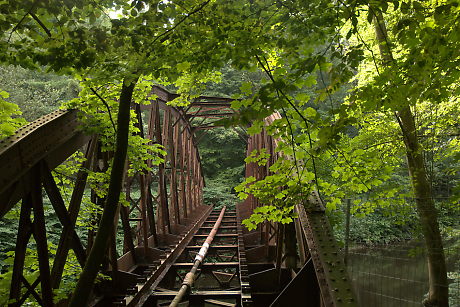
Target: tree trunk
(439, 291)
(85, 283)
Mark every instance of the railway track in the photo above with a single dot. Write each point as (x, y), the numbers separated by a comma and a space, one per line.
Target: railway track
(221, 279)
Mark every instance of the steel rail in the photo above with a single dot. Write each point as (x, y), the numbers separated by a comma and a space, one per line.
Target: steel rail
(144, 289)
(246, 298)
(190, 277)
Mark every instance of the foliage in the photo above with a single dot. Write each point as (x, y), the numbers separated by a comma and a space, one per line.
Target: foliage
(278, 193)
(221, 150)
(101, 120)
(232, 80)
(218, 194)
(36, 92)
(379, 222)
(97, 121)
(310, 53)
(357, 143)
(30, 273)
(222, 153)
(9, 227)
(9, 120)
(277, 214)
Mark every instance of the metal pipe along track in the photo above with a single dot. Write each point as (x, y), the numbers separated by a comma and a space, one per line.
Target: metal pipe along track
(190, 277)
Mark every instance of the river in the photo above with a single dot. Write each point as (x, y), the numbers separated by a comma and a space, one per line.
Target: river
(396, 275)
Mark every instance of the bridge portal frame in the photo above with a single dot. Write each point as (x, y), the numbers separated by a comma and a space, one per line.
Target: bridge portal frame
(26, 162)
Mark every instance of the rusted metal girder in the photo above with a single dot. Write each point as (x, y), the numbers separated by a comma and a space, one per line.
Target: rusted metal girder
(167, 96)
(331, 273)
(53, 137)
(144, 289)
(216, 283)
(211, 115)
(323, 269)
(27, 158)
(25, 163)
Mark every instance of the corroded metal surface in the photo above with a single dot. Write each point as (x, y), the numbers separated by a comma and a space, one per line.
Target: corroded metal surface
(331, 273)
(52, 137)
(222, 283)
(150, 225)
(316, 242)
(161, 232)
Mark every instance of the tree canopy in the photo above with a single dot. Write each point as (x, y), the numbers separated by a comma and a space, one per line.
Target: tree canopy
(366, 89)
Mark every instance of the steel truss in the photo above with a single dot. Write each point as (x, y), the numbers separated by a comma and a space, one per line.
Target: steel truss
(164, 227)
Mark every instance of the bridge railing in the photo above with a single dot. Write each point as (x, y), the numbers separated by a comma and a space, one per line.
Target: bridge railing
(320, 276)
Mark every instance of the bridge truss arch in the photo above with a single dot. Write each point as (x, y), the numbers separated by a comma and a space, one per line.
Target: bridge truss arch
(163, 219)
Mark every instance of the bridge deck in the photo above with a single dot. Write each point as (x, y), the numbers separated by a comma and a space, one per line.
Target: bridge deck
(222, 278)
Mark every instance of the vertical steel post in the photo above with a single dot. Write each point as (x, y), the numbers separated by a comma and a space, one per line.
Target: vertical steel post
(39, 232)
(163, 212)
(173, 135)
(24, 233)
(189, 174)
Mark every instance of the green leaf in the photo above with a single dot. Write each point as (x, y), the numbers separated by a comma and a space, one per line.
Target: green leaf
(4, 94)
(255, 128)
(310, 112)
(246, 88)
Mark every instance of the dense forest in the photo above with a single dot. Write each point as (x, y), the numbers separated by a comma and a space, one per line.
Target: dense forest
(368, 93)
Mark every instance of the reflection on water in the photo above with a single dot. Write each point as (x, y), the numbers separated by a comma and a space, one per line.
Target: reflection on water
(389, 276)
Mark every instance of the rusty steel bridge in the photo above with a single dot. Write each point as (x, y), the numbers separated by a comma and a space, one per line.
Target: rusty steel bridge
(297, 264)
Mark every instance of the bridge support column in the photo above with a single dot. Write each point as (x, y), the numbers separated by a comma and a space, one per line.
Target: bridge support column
(32, 202)
(162, 208)
(173, 134)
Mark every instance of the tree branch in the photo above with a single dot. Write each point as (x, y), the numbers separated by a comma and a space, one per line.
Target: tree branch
(199, 8)
(267, 71)
(20, 21)
(42, 25)
(107, 106)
